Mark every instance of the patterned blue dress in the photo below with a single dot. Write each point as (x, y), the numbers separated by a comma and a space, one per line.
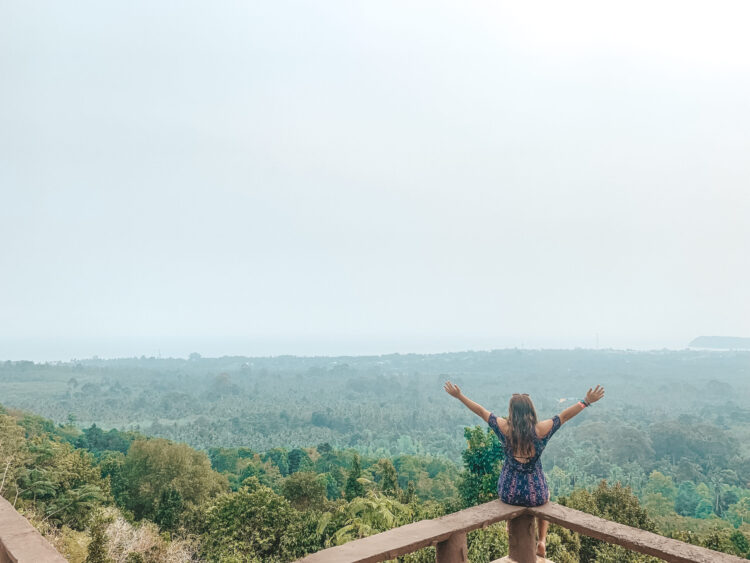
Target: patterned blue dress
(523, 484)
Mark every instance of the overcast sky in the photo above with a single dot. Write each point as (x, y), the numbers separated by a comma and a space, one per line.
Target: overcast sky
(371, 177)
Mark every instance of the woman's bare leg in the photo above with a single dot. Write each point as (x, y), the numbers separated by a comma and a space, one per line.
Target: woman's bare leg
(541, 545)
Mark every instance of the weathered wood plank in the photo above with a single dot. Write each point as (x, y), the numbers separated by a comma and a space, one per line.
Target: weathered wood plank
(522, 539)
(409, 538)
(641, 541)
(452, 550)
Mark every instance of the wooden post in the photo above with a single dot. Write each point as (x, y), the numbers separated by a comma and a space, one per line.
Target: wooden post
(522, 539)
(453, 550)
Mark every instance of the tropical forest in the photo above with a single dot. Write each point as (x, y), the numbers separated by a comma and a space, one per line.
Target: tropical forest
(267, 459)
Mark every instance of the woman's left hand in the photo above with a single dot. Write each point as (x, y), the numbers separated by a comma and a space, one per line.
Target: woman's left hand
(595, 394)
(452, 389)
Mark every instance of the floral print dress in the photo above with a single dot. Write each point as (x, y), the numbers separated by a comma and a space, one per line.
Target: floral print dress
(523, 484)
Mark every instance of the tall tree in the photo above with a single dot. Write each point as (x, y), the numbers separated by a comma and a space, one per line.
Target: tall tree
(253, 524)
(153, 466)
(388, 478)
(13, 454)
(304, 490)
(299, 460)
(354, 488)
(483, 458)
(97, 549)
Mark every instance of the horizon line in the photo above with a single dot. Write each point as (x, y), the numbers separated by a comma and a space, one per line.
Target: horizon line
(334, 356)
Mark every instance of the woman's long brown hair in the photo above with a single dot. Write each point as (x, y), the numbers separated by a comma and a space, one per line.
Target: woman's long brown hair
(522, 423)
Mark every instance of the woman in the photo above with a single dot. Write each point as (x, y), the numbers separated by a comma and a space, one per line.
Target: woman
(522, 480)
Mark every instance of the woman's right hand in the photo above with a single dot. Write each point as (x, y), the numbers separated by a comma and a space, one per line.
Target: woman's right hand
(595, 394)
(452, 389)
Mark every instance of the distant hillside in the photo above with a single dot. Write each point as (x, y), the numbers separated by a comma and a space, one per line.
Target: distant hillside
(721, 342)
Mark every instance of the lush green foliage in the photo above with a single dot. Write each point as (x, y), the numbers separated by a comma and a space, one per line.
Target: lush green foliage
(483, 461)
(354, 487)
(155, 467)
(615, 503)
(392, 448)
(253, 521)
(61, 482)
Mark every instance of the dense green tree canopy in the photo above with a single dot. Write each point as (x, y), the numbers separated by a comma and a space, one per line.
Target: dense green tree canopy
(156, 465)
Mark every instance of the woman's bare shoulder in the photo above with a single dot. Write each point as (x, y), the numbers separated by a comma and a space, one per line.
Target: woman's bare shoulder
(502, 424)
(543, 427)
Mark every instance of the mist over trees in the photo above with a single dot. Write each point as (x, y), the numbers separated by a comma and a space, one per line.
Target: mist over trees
(225, 459)
(380, 404)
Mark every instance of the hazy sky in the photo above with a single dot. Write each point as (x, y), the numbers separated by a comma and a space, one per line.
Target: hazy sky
(369, 177)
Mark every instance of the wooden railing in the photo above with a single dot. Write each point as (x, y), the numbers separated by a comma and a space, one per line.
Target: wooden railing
(448, 535)
(20, 542)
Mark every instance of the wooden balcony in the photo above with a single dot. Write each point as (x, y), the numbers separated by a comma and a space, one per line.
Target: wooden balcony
(448, 535)
(20, 542)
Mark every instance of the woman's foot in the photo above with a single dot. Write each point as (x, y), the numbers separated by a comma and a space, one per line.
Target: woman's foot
(541, 549)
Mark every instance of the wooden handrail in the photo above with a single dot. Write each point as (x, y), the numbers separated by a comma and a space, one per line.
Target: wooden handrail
(409, 538)
(448, 534)
(668, 549)
(20, 542)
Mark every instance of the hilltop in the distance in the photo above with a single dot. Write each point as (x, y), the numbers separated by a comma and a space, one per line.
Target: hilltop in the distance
(721, 342)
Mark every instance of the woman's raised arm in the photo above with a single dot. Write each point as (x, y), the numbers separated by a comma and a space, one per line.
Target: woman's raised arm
(476, 408)
(592, 396)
